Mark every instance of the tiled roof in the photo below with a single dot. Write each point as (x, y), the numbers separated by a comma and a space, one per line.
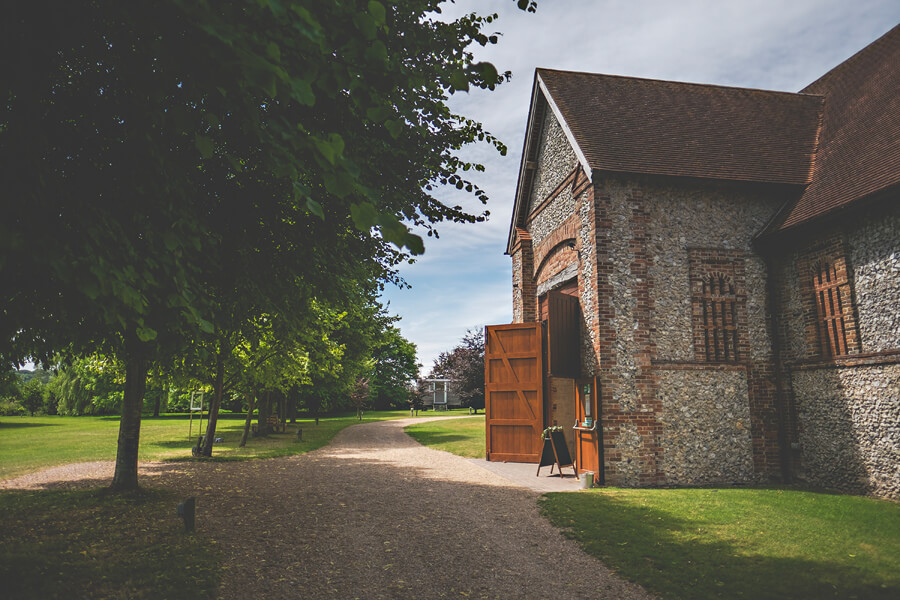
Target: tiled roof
(859, 141)
(632, 125)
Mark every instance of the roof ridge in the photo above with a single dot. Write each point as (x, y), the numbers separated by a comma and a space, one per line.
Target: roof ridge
(682, 83)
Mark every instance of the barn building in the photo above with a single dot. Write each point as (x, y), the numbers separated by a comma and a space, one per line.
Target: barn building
(706, 280)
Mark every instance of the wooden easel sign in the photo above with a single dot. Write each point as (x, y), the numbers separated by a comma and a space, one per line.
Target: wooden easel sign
(556, 452)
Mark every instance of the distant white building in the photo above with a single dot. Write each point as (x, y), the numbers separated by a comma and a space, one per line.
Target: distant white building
(440, 394)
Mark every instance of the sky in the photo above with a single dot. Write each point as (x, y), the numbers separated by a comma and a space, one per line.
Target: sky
(464, 279)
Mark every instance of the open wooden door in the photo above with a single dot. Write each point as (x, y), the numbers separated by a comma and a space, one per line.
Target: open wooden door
(513, 390)
(588, 431)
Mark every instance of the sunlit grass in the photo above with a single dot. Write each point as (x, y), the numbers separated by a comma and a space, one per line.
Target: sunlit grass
(29, 444)
(739, 543)
(463, 437)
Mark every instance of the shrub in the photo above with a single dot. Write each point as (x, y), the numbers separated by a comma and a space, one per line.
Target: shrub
(10, 407)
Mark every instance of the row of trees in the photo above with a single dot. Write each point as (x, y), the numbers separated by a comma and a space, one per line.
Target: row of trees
(93, 385)
(207, 188)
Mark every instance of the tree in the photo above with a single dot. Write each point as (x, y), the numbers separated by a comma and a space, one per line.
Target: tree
(173, 146)
(359, 397)
(465, 366)
(33, 395)
(394, 368)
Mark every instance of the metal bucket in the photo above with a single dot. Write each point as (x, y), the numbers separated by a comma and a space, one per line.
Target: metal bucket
(587, 480)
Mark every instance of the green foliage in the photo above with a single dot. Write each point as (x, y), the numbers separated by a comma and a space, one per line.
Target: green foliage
(395, 367)
(33, 396)
(738, 543)
(11, 407)
(89, 386)
(198, 166)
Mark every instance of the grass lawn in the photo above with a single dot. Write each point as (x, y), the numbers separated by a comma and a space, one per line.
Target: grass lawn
(95, 545)
(464, 437)
(738, 543)
(29, 444)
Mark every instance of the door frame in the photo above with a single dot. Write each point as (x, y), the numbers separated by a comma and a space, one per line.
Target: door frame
(596, 433)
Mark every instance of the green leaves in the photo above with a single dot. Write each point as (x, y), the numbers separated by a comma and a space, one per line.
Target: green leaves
(204, 145)
(303, 92)
(376, 9)
(395, 128)
(338, 184)
(330, 149)
(459, 81)
(315, 208)
(366, 216)
(146, 334)
(273, 51)
(377, 52)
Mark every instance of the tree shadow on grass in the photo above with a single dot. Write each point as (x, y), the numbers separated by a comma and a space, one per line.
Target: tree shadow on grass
(8, 425)
(655, 549)
(90, 543)
(439, 438)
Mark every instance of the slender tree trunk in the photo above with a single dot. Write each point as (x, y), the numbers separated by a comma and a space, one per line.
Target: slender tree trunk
(213, 417)
(247, 421)
(126, 475)
(262, 414)
(156, 406)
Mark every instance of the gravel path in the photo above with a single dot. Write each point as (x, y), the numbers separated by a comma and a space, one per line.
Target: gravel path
(376, 515)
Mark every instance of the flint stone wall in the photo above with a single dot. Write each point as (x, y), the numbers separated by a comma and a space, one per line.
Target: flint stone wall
(706, 427)
(555, 161)
(704, 216)
(875, 260)
(848, 416)
(850, 428)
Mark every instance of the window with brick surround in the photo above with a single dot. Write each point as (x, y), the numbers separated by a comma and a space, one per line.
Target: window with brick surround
(831, 290)
(718, 305)
(719, 309)
(826, 295)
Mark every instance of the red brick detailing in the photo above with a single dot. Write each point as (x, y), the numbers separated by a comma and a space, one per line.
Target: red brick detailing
(580, 183)
(826, 295)
(568, 181)
(764, 415)
(567, 231)
(645, 419)
(559, 257)
(650, 407)
(523, 256)
(709, 265)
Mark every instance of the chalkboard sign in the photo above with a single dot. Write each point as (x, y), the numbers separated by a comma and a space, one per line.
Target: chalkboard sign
(556, 452)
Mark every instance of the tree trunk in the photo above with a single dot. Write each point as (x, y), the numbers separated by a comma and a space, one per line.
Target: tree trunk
(156, 406)
(126, 475)
(262, 414)
(247, 421)
(213, 416)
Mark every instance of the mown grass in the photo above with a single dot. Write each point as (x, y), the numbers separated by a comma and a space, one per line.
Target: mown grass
(92, 544)
(29, 444)
(463, 437)
(738, 543)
